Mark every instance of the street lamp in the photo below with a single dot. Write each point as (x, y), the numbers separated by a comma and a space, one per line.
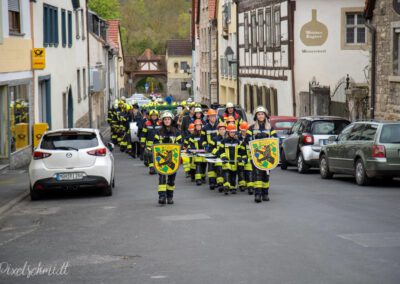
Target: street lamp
(230, 55)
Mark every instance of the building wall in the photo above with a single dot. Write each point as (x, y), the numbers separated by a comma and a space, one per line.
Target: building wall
(121, 73)
(178, 76)
(330, 62)
(16, 88)
(62, 64)
(227, 73)
(386, 20)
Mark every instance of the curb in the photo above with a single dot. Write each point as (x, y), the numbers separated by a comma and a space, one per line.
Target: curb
(13, 202)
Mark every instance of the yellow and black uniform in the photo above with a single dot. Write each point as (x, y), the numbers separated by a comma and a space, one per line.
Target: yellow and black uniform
(218, 166)
(166, 184)
(261, 130)
(231, 153)
(246, 173)
(112, 119)
(124, 131)
(198, 141)
(148, 133)
(211, 131)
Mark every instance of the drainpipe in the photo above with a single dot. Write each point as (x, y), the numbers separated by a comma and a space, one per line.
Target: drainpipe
(88, 68)
(237, 54)
(372, 30)
(209, 61)
(291, 53)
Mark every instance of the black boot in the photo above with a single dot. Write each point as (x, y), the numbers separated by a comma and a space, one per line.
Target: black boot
(198, 182)
(152, 171)
(226, 190)
(170, 196)
(242, 188)
(192, 173)
(203, 180)
(220, 188)
(161, 198)
(265, 195)
(257, 196)
(250, 191)
(233, 190)
(212, 186)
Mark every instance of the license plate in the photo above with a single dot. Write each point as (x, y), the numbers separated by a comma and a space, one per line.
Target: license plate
(70, 176)
(323, 142)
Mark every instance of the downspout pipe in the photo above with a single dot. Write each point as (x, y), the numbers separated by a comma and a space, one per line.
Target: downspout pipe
(88, 68)
(372, 30)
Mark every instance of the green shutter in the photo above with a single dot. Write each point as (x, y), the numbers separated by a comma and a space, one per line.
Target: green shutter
(63, 29)
(69, 29)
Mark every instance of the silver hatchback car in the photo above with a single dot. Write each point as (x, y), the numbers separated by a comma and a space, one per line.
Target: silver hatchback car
(303, 145)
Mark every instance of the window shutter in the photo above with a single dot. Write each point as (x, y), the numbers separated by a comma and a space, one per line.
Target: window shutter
(13, 5)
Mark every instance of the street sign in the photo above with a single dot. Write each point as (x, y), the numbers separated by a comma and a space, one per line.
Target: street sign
(38, 58)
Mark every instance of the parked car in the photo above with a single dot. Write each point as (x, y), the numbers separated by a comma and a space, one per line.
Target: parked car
(303, 145)
(365, 150)
(140, 99)
(282, 125)
(71, 159)
(239, 110)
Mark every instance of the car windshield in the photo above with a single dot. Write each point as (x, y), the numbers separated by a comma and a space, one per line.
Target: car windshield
(69, 141)
(284, 124)
(390, 134)
(328, 127)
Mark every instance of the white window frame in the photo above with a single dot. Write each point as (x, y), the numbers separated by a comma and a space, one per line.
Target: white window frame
(355, 28)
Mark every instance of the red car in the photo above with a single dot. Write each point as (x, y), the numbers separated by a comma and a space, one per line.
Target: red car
(282, 124)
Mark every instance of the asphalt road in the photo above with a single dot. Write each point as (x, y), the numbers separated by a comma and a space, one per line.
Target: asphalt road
(312, 231)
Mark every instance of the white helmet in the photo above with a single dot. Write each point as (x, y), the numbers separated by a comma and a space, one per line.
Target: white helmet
(261, 109)
(197, 109)
(189, 100)
(167, 114)
(229, 105)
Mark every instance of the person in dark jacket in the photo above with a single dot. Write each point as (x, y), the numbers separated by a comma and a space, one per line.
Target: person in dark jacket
(187, 119)
(146, 141)
(136, 116)
(211, 130)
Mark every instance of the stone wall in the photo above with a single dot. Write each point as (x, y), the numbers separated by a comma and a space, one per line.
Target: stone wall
(82, 122)
(21, 158)
(387, 87)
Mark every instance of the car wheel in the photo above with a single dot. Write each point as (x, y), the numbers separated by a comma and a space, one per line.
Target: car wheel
(34, 194)
(324, 168)
(360, 174)
(301, 165)
(108, 191)
(284, 163)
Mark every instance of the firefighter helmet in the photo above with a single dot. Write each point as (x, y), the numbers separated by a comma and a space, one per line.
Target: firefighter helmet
(229, 105)
(197, 109)
(211, 112)
(221, 124)
(167, 114)
(244, 126)
(153, 112)
(231, 128)
(191, 126)
(260, 109)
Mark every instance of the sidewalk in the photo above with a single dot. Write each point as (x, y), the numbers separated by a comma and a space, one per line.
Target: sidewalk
(14, 186)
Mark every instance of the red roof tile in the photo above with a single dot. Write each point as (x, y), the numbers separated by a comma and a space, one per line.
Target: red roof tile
(148, 55)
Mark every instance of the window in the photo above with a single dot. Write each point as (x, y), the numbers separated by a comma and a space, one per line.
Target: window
(261, 29)
(396, 52)
(268, 28)
(390, 134)
(184, 65)
(78, 77)
(368, 133)
(246, 31)
(355, 28)
(356, 132)
(83, 24)
(63, 28)
(69, 29)
(59, 140)
(77, 24)
(84, 82)
(345, 133)
(14, 16)
(50, 26)
(253, 31)
(183, 86)
(328, 127)
(277, 27)
(19, 116)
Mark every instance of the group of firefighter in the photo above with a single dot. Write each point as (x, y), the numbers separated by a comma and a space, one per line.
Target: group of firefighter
(213, 146)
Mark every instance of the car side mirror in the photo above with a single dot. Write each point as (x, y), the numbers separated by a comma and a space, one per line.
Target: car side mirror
(110, 146)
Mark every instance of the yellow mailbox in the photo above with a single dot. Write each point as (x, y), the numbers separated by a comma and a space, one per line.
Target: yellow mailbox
(38, 130)
(21, 135)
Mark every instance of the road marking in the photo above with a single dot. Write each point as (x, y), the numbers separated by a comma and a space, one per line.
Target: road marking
(185, 217)
(12, 236)
(158, 277)
(37, 211)
(374, 240)
(109, 207)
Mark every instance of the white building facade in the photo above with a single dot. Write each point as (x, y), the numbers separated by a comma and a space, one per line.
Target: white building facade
(62, 87)
(287, 48)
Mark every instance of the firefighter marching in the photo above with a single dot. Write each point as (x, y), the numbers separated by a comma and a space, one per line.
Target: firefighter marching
(218, 144)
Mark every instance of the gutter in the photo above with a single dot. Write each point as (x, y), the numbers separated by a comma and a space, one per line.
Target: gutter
(372, 30)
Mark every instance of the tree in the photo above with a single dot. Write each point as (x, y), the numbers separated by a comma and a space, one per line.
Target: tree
(107, 9)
